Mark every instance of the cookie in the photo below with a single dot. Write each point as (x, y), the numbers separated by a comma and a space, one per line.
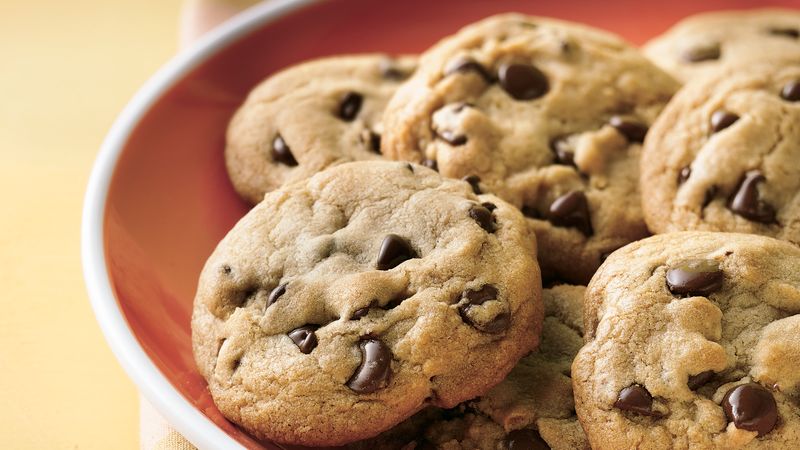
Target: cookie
(545, 114)
(532, 408)
(700, 45)
(308, 117)
(692, 343)
(341, 305)
(724, 155)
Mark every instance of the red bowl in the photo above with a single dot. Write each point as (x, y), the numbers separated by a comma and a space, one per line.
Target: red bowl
(159, 199)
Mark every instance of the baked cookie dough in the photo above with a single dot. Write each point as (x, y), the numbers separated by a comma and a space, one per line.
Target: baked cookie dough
(308, 117)
(725, 155)
(692, 343)
(545, 114)
(343, 304)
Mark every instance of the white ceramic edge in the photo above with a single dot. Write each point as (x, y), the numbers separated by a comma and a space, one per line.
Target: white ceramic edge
(152, 384)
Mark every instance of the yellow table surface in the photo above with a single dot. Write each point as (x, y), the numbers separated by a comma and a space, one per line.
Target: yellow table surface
(66, 69)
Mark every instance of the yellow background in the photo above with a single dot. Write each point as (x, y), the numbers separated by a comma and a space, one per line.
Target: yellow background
(66, 69)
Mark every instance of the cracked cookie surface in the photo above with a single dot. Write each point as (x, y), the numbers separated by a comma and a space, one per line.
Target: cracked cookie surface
(308, 117)
(702, 44)
(692, 343)
(545, 114)
(725, 155)
(341, 305)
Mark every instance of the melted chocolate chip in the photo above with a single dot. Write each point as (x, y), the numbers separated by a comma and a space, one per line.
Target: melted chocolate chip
(722, 119)
(684, 174)
(632, 129)
(746, 202)
(792, 33)
(430, 164)
(359, 313)
(375, 142)
(473, 181)
(304, 338)
(523, 81)
(452, 138)
(702, 53)
(350, 106)
(751, 407)
(276, 294)
(564, 153)
(530, 211)
(466, 64)
(391, 71)
(635, 398)
(488, 205)
(791, 91)
(476, 298)
(695, 277)
(571, 210)
(525, 439)
(484, 217)
(281, 152)
(394, 251)
(375, 369)
(695, 381)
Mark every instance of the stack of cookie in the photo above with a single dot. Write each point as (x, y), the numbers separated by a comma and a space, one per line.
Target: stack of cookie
(400, 304)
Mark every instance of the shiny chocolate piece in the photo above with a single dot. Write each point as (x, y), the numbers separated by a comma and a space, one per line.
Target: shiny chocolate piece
(523, 81)
(635, 398)
(751, 407)
(695, 381)
(276, 294)
(304, 338)
(394, 251)
(695, 277)
(484, 217)
(684, 175)
(791, 91)
(707, 52)
(350, 106)
(467, 64)
(525, 439)
(375, 369)
(430, 164)
(632, 129)
(451, 137)
(564, 153)
(473, 181)
(571, 210)
(281, 152)
(722, 119)
(476, 298)
(746, 202)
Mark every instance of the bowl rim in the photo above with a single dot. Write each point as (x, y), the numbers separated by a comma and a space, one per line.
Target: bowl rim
(150, 382)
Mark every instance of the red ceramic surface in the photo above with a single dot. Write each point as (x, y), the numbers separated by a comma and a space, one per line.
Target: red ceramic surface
(170, 201)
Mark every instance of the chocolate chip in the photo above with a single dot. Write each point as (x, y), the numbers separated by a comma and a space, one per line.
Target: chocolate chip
(722, 119)
(530, 211)
(563, 151)
(304, 338)
(375, 369)
(523, 81)
(635, 398)
(684, 174)
(746, 202)
(276, 294)
(476, 298)
(391, 71)
(571, 210)
(394, 250)
(695, 381)
(488, 205)
(350, 106)
(525, 439)
(452, 137)
(226, 269)
(430, 164)
(484, 217)
(281, 152)
(375, 142)
(792, 33)
(710, 194)
(700, 53)
(473, 181)
(410, 167)
(359, 313)
(632, 129)
(791, 91)
(751, 407)
(695, 277)
(465, 64)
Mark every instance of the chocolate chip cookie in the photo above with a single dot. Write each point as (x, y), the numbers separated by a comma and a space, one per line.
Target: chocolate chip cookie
(692, 343)
(343, 304)
(702, 44)
(308, 117)
(532, 408)
(545, 114)
(725, 155)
